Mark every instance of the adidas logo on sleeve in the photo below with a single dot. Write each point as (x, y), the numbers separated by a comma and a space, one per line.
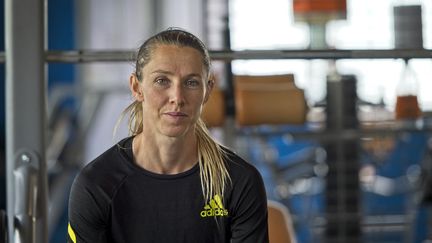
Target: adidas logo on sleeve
(215, 208)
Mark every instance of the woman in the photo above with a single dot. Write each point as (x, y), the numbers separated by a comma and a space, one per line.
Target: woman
(170, 181)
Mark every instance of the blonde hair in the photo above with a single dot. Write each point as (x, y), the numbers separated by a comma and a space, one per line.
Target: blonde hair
(211, 155)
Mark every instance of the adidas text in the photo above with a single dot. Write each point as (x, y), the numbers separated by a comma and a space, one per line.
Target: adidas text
(214, 212)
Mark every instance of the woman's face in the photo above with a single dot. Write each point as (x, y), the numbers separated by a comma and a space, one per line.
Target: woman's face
(172, 91)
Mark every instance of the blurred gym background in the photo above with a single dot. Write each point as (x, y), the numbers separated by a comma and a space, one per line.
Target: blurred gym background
(330, 99)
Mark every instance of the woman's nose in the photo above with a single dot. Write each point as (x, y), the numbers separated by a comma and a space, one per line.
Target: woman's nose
(177, 95)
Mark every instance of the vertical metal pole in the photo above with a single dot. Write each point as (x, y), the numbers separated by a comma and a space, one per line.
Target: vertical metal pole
(25, 121)
(342, 182)
(229, 128)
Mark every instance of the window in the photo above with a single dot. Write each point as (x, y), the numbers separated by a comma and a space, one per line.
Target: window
(257, 24)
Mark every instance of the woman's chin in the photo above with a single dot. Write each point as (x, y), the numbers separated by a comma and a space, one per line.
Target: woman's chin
(176, 131)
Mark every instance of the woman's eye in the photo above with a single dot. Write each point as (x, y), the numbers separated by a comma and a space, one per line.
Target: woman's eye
(161, 81)
(192, 83)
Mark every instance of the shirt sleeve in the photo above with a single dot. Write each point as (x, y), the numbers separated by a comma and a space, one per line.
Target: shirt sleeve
(249, 220)
(88, 213)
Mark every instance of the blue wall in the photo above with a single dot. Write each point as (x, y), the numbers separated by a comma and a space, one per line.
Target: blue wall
(61, 36)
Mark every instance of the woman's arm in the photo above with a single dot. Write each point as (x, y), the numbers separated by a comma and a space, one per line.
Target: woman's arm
(88, 212)
(249, 219)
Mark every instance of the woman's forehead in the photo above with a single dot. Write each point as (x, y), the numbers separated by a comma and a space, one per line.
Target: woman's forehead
(171, 57)
(169, 50)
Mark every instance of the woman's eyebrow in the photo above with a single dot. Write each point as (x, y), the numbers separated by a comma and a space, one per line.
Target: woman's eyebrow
(194, 75)
(160, 71)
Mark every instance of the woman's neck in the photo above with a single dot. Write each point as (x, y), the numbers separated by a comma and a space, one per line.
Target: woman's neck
(165, 155)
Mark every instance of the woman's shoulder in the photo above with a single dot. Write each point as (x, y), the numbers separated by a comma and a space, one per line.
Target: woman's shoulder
(245, 183)
(111, 159)
(239, 166)
(108, 170)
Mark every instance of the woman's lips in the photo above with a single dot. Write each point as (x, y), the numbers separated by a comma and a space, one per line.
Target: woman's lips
(176, 114)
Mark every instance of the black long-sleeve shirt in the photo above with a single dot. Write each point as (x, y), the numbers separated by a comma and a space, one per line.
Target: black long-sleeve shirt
(114, 200)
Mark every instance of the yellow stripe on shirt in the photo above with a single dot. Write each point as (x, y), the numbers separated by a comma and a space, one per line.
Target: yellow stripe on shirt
(71, 233)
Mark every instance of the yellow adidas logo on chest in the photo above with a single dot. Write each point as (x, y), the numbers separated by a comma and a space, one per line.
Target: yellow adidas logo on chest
(215, 208)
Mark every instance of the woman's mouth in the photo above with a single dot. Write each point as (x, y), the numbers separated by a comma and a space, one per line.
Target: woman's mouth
(176, 114)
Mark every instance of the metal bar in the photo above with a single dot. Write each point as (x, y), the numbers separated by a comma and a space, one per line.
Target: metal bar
(25, 121)
(128, 55)
(328, 135)
(81, 56)
(342, 187)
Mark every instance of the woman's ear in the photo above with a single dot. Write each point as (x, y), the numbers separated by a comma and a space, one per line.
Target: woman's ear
(135, 88)
(209, 88)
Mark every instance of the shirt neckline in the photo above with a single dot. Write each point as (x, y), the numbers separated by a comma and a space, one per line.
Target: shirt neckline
(125, 147)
